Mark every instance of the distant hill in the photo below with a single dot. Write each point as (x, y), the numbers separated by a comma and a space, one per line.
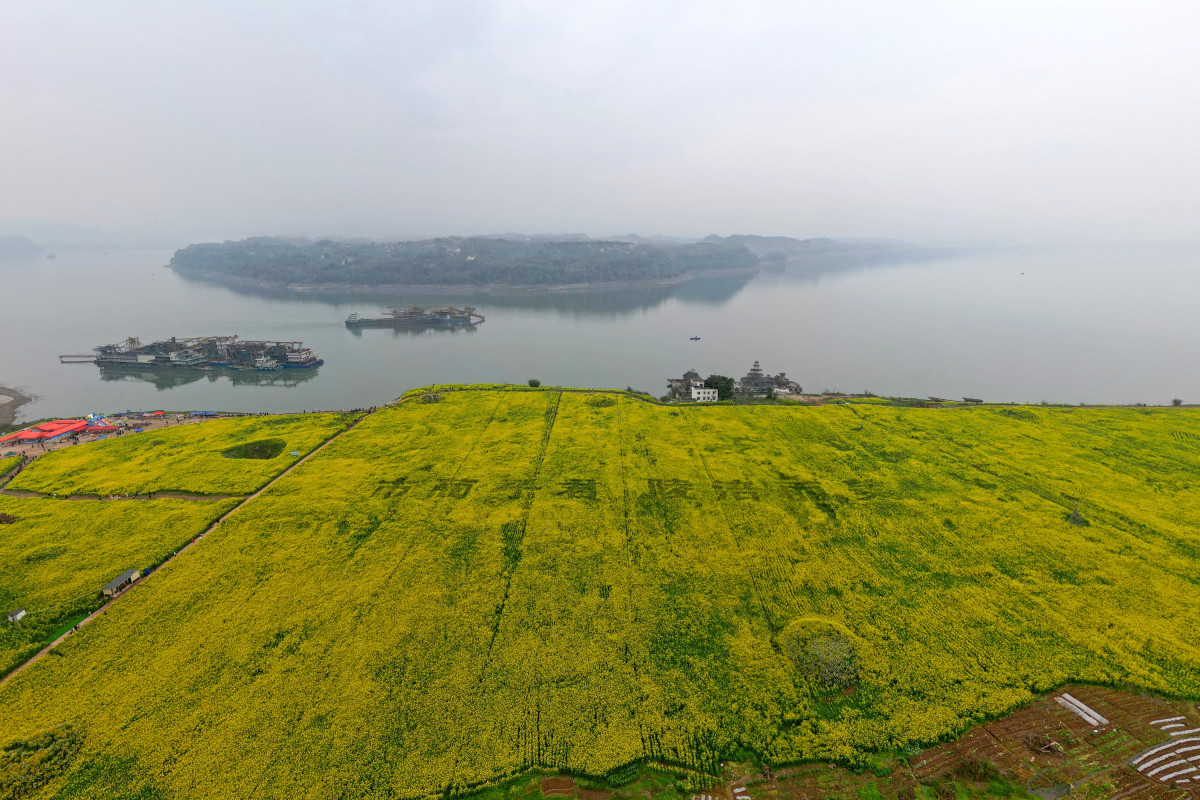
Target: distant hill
(65, 236)
(824, 250)
(16, 247)
(509, 261)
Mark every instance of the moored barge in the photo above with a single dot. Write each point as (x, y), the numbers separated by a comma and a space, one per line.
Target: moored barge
(417, 316)
(205, 352)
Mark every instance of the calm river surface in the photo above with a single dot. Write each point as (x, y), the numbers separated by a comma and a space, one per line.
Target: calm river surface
(1115, 325)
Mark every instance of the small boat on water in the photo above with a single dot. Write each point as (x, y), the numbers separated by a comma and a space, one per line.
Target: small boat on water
(695, 338)
(416, 316)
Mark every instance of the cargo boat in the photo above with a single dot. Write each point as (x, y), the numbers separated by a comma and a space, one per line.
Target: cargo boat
(202, 353)
(416, 316)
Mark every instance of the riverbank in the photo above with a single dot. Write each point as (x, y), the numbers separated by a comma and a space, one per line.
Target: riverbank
(10, 401)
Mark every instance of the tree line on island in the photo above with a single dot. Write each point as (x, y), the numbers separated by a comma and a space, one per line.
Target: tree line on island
(488, 260)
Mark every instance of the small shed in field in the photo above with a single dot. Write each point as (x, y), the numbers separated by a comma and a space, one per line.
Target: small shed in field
(17, 615)
(120, 582)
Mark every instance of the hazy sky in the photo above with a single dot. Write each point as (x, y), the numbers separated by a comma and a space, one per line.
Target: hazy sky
(963, 120)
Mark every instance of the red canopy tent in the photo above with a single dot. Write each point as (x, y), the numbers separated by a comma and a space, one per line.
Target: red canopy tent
(48, 431)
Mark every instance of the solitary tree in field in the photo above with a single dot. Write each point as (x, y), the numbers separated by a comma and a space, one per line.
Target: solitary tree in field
(534, 382)
(1177, 401)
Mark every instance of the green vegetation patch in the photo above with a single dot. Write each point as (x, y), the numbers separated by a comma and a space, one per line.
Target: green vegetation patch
(27, 765)
(823, 650)
(262, 448)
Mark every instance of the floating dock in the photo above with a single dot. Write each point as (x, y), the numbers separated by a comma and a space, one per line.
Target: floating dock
(205, 352)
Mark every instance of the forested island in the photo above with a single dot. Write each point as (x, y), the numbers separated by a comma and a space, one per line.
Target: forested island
(457, 261)
(487, 261)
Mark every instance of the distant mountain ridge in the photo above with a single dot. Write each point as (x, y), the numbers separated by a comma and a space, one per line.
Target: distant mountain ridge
(826, 249)
(61, 237)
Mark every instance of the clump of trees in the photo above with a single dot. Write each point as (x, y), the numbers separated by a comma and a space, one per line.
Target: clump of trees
(722, 383)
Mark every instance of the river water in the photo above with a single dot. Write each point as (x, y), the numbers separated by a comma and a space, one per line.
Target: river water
(1096, 325)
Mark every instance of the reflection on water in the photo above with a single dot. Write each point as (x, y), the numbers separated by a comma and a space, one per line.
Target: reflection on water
(167, 378)
(584, 302)
(711, 290)
(415, 330)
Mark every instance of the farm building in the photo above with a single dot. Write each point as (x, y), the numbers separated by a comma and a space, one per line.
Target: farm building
(757, 382)
(120, 582)
(681, 388)
(702, 394)
(17, 615)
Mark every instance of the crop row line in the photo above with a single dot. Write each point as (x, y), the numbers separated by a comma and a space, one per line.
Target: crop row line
(512, 540)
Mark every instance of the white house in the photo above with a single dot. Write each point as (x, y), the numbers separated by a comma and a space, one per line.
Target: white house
(702, 394)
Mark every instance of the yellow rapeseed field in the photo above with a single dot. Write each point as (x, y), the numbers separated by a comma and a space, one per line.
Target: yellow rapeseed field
(460, 589)
(56, 555)
(184, 458)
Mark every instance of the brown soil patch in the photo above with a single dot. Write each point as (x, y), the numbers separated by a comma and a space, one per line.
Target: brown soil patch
(1045, 747)
(558, 787)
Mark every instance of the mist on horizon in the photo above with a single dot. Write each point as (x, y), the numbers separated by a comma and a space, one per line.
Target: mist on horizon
(1003, 122)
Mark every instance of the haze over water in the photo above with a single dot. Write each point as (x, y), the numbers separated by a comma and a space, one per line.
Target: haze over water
(1064, 325)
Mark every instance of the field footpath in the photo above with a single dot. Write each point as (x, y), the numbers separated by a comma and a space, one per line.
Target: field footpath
(170, 495)
(198, 538)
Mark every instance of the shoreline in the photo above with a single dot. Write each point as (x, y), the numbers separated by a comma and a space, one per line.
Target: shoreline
(10, 401)
(485, 288)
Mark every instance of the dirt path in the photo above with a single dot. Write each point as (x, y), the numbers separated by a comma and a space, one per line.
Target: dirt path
(199, 538)
(151, 496)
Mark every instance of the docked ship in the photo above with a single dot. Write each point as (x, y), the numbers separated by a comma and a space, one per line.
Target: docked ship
(203, 353)
(416, 316)
(266, 364)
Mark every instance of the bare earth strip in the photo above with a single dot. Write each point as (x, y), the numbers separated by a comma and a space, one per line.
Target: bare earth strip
(182, 550)
(153, 496)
